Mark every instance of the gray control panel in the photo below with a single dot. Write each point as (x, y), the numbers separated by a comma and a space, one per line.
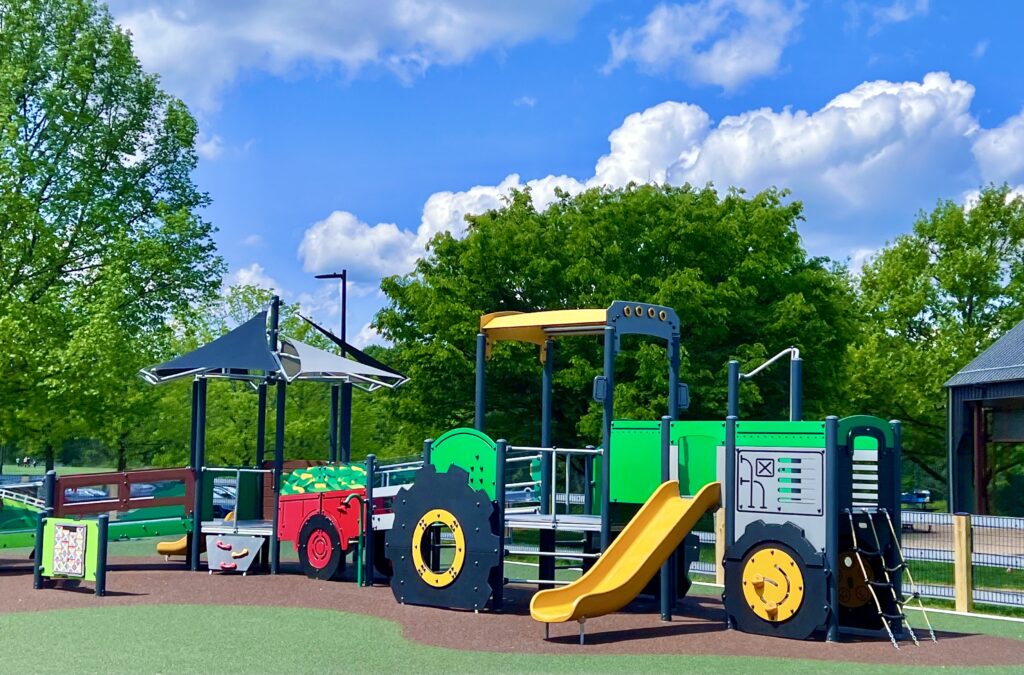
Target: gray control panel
(782, 484)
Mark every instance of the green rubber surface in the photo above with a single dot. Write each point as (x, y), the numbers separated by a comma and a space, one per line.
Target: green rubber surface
(471, 450)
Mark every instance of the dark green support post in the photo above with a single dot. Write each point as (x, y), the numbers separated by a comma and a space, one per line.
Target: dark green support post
(197, 469)
(498, 601)
(37, 566)
(796, 389)
(733, 408)
(332, 453)
(103, 530)
(606, 436)
(193, 432)
(673, 376)
(547, 383)
(832, 523)
(481, 360)
(275, 543)
(346, 422)
(730, 480)
(669, 565)
(261, 440)
(371, 475)
(50, 490)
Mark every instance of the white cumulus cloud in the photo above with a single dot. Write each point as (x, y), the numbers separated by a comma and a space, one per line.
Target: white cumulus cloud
(720, 42)
(201, 47)
(254, 275)
(341, 240)
(1000, 151)
(865, 161)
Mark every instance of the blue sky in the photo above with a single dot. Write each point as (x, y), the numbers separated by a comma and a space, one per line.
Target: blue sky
(343, 134)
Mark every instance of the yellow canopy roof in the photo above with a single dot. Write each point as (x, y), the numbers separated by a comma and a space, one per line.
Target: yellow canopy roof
(536, 327)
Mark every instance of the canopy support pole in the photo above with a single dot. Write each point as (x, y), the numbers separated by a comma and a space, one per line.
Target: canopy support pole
(346, 422)
(197, 468)
(275, 543)
(332, 453)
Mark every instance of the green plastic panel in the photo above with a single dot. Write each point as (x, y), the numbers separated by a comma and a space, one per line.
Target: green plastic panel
(92, 545)
(636, 462)
(471, 450)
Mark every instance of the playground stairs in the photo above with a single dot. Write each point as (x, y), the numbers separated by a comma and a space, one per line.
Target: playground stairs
(885, 586)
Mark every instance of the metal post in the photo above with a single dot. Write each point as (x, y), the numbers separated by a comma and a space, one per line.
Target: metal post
(588, 482)
(673, 376)
(371, 469)
(197, 469)
(101, 555)
(195, 421)
(895, 509)
(275, 543)
(546, 488)
(796, 389)
(332, 453)
(37, 567)
(831, 506)
(428, 445)
(668, 565)
(734, 389)
(346, 422)
(730, 480)
(261, 442)
(481, 358)
(50, 489)
(606, 436)
(498, 601)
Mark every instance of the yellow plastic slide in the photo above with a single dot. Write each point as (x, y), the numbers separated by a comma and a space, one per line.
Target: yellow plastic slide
(169, 548)
(632, 559)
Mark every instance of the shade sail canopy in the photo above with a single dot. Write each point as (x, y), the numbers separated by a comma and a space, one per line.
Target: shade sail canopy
(301, 361)
(349, 350)
(242, 353)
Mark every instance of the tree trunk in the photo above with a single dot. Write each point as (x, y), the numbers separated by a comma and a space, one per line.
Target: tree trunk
(122, 455)
(48, 453)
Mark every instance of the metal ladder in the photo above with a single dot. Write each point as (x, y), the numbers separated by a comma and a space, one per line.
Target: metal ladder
(887, 583)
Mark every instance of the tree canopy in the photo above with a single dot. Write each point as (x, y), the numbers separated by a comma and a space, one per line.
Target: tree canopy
(733, 268)
(101, 238)
(932, 301)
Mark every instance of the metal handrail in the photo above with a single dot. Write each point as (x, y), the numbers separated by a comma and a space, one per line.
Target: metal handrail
(792, 351)
(570, 451)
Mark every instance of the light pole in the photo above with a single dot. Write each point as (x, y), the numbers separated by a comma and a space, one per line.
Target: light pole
(345, 434)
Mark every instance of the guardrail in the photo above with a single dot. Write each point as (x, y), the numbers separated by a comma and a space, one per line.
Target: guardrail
(123, 501)
(22, 498)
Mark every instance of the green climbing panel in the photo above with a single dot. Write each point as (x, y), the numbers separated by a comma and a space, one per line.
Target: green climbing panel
(471, 450)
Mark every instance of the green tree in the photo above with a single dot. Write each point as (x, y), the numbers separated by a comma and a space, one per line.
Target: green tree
(934, 299)
(100, 234)
(732, 267)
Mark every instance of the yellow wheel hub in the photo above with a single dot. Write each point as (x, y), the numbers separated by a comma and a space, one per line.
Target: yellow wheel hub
(445, 518)
(772, 584)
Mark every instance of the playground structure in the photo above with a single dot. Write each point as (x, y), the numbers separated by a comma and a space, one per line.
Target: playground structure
(811, 508)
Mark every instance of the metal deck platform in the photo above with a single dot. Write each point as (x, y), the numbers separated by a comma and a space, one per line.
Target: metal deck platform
(255, 528)
(562, 521)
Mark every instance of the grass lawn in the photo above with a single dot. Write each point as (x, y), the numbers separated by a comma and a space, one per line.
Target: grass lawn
(40, 470)
(203, 639)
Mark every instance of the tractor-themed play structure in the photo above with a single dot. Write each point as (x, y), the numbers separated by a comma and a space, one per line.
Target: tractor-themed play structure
(811, 508)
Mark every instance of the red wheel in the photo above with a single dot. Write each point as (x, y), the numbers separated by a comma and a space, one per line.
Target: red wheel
(320, 549)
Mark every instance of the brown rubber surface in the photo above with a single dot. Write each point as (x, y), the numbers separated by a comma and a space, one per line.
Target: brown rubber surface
(698, 630)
